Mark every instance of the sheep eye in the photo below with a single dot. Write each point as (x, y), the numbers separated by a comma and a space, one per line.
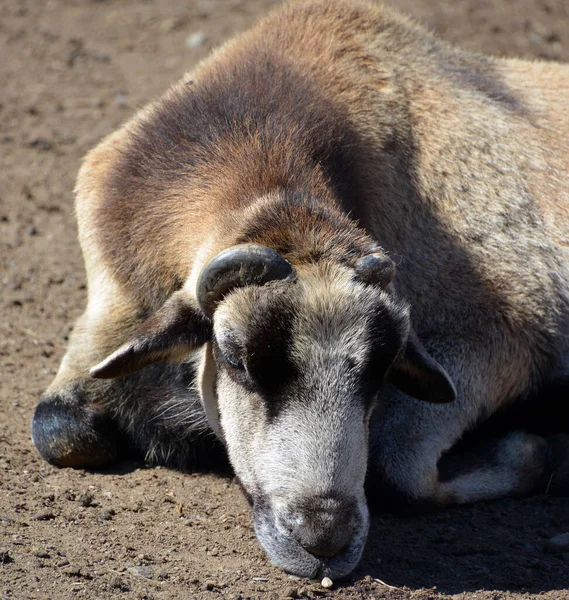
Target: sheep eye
(229, 352)
(233, 362)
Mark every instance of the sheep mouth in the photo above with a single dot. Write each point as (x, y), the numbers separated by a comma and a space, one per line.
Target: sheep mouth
(285, 552)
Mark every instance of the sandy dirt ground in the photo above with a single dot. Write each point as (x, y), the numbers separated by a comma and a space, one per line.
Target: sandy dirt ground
(70, 72)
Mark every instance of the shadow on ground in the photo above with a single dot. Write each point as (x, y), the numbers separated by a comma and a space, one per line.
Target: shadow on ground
(492, 546)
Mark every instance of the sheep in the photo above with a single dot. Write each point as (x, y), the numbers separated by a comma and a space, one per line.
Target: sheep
(340, 245)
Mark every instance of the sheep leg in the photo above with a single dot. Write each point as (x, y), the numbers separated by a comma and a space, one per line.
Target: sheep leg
(414, 465)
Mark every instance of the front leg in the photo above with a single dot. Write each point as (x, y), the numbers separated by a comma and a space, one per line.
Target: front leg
(82, 421)
(73, 424)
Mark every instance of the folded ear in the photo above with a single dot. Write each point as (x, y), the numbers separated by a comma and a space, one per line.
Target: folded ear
(169, 335)
(418, 374)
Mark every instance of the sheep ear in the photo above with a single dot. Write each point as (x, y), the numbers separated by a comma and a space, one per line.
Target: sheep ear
(206, 377)
(419, 375)
(168, 336)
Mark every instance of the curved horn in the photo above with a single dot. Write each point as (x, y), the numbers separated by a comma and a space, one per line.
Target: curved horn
(376, 268)
(238, 266)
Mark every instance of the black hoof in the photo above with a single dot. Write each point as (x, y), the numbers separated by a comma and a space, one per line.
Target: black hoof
(69, 434)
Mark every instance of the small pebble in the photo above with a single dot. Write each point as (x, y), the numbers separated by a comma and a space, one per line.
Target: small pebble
(327, 583)
(146, 572)
(194, 40)
(121, 100)
(290, 592)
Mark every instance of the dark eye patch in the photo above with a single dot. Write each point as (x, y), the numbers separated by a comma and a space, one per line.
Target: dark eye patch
(261, 362)
(385, 340)
(268, 349)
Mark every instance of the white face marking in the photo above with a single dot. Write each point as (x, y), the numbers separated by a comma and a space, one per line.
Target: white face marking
(309, 438)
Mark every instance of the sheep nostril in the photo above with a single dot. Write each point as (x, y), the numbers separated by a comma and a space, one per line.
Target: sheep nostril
(325, 550)
(325, 542)
(323, 537)
(322, 526)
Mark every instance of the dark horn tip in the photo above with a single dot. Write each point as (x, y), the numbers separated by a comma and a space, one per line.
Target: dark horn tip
(376, 269)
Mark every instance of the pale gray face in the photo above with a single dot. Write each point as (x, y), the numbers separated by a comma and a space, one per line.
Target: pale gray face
(298, 367)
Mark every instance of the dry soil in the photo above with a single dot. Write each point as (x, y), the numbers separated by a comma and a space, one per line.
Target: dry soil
(70, 72)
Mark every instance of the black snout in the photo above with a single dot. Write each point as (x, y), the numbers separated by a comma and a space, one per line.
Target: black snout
(322, 525)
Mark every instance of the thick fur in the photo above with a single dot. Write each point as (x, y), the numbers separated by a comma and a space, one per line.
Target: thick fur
(329, 131)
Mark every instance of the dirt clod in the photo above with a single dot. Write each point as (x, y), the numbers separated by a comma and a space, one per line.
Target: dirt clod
(207, 586)
(45, 515)
(86, 499)
(107, 514)
(118, 583)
